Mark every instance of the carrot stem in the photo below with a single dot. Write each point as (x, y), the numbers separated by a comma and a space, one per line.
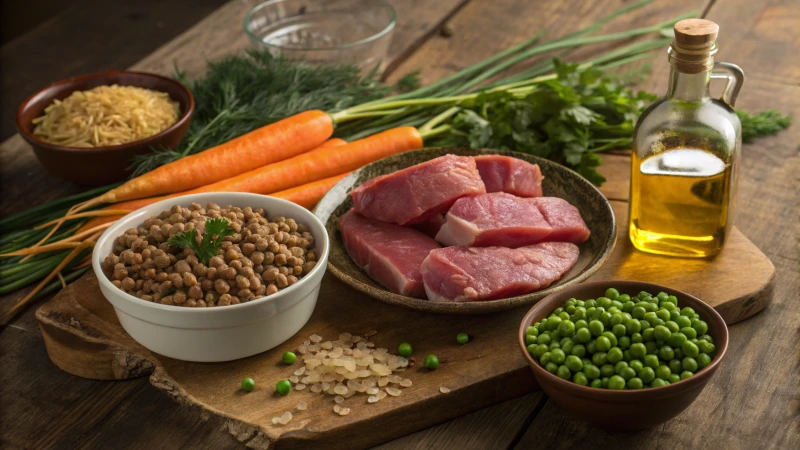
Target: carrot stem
(98, 213)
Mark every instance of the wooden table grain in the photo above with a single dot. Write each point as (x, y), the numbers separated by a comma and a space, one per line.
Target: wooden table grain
(751, 403)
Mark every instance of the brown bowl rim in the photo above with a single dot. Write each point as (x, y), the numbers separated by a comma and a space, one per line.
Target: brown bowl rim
(182, 119)
(625, 395)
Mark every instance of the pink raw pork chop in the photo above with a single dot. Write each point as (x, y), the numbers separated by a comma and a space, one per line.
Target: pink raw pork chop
(506, 174)
(390, 254)
(500, 219)
(413, 195)
(465, 274)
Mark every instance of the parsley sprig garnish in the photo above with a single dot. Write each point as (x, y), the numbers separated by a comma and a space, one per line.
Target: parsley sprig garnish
(210, 242)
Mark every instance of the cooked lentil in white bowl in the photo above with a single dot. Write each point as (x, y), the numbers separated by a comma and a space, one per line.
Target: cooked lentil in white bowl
(174, 319)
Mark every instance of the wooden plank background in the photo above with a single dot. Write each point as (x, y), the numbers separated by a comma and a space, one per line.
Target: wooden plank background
(751, 403)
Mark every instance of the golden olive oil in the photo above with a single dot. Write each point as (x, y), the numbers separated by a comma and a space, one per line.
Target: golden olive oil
(686, 150)
(680, 202)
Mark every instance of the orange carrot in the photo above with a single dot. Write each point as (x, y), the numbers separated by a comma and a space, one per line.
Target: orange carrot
(310, 194)
(303, 169)
(275, 142)
(332, 142)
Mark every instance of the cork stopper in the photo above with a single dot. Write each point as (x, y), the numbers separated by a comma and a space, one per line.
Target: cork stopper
(694, 45)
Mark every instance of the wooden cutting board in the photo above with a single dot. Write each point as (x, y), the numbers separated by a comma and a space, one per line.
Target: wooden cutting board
(84, 338)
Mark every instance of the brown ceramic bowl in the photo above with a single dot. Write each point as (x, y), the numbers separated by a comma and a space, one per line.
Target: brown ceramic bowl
(101, 165)
(624, 410)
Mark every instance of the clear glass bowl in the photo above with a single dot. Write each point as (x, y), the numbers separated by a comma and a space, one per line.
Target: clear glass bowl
(324, 31)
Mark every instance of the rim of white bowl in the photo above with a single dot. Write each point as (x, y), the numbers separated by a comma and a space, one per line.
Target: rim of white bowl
(113, 232)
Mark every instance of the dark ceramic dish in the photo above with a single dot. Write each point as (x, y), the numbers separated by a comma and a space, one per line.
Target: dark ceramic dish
(625, 410)
(558, 181)
(101, 165)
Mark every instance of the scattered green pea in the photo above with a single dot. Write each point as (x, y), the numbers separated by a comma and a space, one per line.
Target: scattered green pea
(463, 338)
(432, 362)
(289, 358)
(405, 349)
(283, 387)
(248, 384)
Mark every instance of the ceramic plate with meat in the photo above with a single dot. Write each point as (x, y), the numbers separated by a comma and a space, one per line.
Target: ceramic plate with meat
(572, 213)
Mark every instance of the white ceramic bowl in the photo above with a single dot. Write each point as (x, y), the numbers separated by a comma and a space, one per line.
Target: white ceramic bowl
(221, 333)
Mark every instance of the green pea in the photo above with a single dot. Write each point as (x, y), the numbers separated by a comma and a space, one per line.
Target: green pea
(605, 319)
(599, 358)
(624, 298)
(662, 296)
(651, 347)
(636, 338)
(584, 335)
(545, 358)
(666, 353)
(596, 327)
(463, 338)
(539, 350)
(627, 307)
(636, 365)
(648, 335)
(551, 367)
(616, 319)
(658, 382)
(627, 373)
(283, 387)
(669, 307)
(690, 349)
(567, 328)
(529, 339)
(591, 347)
(614, 355)
(686, 374)
(683, 321)
(567, 347)
(586, 362)
(706, 338)
(605, 302)
(661, 333)
(552, 323)
(612, 293)
(638, 312)
(674, 378)
(624, 342)
(289, 358)
(570, 309)
(689, 364)
(635, 383)
(532, 330)
(603, 344)
(581, 324)
(580, 378)
(626, 355)
(580, 315)
(633, 326)
(703, 360)
(248, 384)
(554, 345)
(616, 383)
(647, 374)
(405, 349)
(689, 332)
(672, 326)
(563, 315)
(663, 372)
(532, 350)
(607, 370)
(649, 316)
(677, 339)
(672, 299)
(663, 314)
(542, 339)
(557, 311)
(578, 350)
(645, 324)
(558, 356)
(597, 384)
(651, 361)
(708, 347)
(619, 366)
(687, 311)
(674, 314)
(643, 294)
(611, 337)
(617, 304)
(563, 372)
(432, 362)
(591, 371)
(604, 382)
(573, 363)
(590, 303)
(638, 350)
(678, 353)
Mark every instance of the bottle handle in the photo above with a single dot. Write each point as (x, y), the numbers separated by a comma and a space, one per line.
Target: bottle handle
(734, 77)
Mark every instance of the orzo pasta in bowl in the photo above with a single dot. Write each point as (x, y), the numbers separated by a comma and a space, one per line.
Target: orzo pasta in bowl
(213, 277)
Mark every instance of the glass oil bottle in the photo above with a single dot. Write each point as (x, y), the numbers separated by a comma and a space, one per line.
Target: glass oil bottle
(686, 150)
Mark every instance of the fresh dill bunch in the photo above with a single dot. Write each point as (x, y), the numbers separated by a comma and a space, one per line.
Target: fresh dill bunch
(765, 123)
(241, 93)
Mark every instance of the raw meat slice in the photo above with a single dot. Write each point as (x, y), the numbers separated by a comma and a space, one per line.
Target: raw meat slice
(506, 174)
(464, 274)
(413, 195)
(505, 220)
(432, 225)
(390, 254)
(565, 219)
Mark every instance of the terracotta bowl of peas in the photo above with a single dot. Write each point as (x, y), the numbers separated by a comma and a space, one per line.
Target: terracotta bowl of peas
(623, 355)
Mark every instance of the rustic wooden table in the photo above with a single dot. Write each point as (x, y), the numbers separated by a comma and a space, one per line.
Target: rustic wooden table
(751, 403)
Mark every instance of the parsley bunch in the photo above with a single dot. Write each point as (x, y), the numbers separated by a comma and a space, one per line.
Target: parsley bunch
(209, 244)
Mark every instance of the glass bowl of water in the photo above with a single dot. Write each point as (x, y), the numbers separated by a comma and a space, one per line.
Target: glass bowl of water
(324, 31)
